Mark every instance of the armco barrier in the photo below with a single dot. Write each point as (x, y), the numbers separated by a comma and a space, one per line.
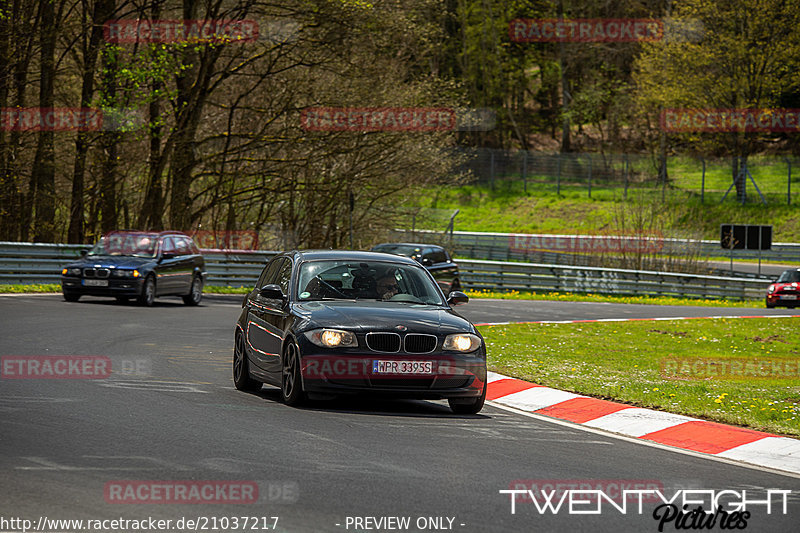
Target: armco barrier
(503, 275)
(553, 249)
(42, 263)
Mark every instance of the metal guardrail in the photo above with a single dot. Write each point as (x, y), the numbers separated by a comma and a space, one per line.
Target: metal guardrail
(28, 263)
(42, 263)
(513, 247)
(504, 275)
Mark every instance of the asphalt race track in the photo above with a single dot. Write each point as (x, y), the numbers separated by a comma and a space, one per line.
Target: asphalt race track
(169, 413)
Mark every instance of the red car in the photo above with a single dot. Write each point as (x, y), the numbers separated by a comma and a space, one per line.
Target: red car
(786, 290)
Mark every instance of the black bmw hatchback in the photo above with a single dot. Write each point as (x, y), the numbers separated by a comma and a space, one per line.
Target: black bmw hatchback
(141, 265)
(322, 323)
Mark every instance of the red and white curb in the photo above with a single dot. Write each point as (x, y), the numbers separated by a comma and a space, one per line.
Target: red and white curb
(740, 444)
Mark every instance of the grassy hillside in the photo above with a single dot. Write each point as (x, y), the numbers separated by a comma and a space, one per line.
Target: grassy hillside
(508, 208)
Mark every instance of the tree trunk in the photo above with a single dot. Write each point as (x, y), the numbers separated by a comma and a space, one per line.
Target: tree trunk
(109, 142)
(24, 20)
(192, 84)
(151, 215)
(103, 10)
(43, 174)
(565, 129)
(6, 184)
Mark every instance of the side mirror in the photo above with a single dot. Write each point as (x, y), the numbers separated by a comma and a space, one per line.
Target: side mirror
(168, 256)
(457, 298)
(426, 262)
(271, 292)
(84, 252)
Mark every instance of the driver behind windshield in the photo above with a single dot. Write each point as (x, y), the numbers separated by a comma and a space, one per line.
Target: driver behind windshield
(387, 286)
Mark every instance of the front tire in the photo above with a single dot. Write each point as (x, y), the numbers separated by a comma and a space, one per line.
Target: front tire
(291, 383)
(195, 292)
(71, 296)
(770, 306)
(241, 368)
(148, 294)
(470, 407)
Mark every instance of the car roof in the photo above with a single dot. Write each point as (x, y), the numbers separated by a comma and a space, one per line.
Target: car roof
(145, 232)
(415, 244)
(349, 255)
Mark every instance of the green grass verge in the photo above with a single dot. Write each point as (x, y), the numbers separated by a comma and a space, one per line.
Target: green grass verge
(215, 289)
(54, 287)
(43, 287)
(572, 297)
(511, 295)
(621, 361)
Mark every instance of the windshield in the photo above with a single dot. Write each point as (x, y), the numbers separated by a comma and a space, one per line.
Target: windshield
(789, 276)
(127, 244)
(373, 280)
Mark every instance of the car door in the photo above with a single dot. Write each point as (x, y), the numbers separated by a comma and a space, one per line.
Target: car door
(185, 265)
(277, 316)
(168, 267)
(263, 337)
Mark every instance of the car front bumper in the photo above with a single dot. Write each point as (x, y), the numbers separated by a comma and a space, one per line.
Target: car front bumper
(780, 298)
(451, 376)
(116, 287)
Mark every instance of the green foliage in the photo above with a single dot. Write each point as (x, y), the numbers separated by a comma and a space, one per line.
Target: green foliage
(747, 58)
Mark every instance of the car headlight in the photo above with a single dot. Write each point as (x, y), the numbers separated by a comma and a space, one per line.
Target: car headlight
(331, 338)
(73, 271)
(122, 273)
(462, 342)
(771, 289)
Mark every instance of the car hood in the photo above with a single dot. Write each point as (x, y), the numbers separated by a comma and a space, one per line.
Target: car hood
(111, 261)
(365, 316)
(793, 285)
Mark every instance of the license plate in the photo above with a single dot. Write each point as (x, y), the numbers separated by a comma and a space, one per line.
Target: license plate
(788, 297)
(95, 282)
(402, 367)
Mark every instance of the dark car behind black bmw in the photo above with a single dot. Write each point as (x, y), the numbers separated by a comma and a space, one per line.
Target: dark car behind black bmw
(141, 265)
(432, 256)
(337, 322)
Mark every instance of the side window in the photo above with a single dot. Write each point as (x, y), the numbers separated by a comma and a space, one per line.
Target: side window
(168, 246)
(191, 249)
(438, 256)
(182, 246)
(268, 274)
(435, 255)
(284, 276)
